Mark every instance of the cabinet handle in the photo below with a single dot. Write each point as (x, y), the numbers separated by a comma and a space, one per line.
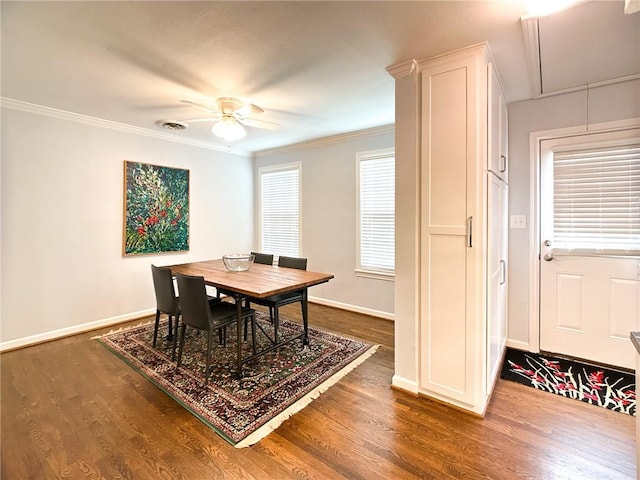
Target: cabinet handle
(503, 272)
(470, 232)
(503, 164)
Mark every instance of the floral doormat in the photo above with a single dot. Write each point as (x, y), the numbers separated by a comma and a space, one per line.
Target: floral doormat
(273, 387)
(605, 387)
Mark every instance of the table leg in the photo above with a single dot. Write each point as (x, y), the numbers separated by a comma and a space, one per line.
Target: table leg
(238, 299)
(305, 317)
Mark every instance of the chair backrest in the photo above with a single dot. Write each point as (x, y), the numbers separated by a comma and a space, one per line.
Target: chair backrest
(262, 258)
(194, 303)
(166, 300)
(292, 262)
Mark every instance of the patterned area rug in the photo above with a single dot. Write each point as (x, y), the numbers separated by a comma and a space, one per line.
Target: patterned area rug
(274, 386)
(605, 387)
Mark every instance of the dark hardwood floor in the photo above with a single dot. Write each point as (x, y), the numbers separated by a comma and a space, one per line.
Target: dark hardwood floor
(72, 410)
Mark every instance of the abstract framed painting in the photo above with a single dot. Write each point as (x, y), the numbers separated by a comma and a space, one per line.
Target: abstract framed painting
(156, 209)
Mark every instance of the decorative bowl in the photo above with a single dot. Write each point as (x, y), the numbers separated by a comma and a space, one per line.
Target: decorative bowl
(238, 262)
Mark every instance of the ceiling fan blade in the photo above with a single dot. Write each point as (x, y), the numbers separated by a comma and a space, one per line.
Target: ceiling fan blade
(252, 122)
(248, 109)
(206, 119)
(201, 107)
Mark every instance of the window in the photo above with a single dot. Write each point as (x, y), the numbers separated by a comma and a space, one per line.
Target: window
(280, 210)
(596, 198)
(376, 213)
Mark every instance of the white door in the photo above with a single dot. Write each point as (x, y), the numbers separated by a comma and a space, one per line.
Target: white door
(590, 246)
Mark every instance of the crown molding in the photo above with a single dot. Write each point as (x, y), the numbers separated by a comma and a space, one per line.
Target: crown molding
(325, 140)
(402, 69)
(102, 123)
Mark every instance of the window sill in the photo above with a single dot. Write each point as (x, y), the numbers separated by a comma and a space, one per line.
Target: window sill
(387, 276)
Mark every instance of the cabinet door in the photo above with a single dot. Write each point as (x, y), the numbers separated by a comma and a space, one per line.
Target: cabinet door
(497, 132)
(496, 274)
(448, 279)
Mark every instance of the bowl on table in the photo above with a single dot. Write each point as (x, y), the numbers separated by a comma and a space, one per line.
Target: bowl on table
(238, 262)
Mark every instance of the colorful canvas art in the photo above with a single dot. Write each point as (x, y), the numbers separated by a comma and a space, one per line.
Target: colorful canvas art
(156, 209)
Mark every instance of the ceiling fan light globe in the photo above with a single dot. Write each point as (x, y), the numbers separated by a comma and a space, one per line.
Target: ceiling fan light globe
(228, 129)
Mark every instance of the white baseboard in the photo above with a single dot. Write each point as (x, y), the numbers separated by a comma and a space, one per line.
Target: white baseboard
(405, 384)
(518, 345)
(76, 329)
(107, 322)
(352, 308)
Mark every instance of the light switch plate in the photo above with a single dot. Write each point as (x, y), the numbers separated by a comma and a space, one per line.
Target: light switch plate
(518, 221)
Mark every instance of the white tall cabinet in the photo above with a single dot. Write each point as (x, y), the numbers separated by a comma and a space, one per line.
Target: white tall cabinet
(456, 230)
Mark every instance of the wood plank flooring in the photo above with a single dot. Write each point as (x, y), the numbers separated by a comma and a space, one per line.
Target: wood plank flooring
(72, 410)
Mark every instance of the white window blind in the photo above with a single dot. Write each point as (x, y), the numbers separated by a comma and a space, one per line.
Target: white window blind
(280, 210)
(376, 211)
(597, 199)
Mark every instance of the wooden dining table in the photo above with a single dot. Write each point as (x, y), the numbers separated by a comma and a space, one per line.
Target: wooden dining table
(260, 281)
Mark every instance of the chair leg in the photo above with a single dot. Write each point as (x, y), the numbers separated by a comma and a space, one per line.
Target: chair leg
(253, 332)
(181, 346)
(208, 367)
(155, 328)
(170, 334)
(222, 336)
(175, 338)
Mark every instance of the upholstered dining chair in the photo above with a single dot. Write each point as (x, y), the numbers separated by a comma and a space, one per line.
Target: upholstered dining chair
(263, 258)
(198, 313)
(274, 302)
(167, 302)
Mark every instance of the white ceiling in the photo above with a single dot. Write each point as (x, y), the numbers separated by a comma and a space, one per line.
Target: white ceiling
(587, 44)
(317, 68)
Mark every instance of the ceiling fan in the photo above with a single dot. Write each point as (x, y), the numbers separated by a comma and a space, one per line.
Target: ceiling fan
(230, 116)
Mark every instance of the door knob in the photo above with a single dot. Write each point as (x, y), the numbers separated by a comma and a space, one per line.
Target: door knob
(548, 257)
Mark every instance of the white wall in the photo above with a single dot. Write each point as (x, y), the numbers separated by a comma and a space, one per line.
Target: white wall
(605, 104)
(62, 209)
(329, 218)
(407, 232)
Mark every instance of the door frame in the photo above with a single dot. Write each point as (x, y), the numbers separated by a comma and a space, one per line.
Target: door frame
(535, 140)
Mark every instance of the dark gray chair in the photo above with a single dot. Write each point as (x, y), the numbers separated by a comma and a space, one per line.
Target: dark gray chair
(263, 258)
(198, 313)
(274, 302)
(167, 302)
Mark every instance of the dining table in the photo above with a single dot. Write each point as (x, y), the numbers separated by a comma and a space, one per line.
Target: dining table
(259, 281)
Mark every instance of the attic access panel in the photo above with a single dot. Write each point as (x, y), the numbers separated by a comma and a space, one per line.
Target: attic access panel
(589, 43)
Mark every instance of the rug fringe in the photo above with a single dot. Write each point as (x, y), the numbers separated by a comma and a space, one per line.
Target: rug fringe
(276, 421)
(123, 329)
